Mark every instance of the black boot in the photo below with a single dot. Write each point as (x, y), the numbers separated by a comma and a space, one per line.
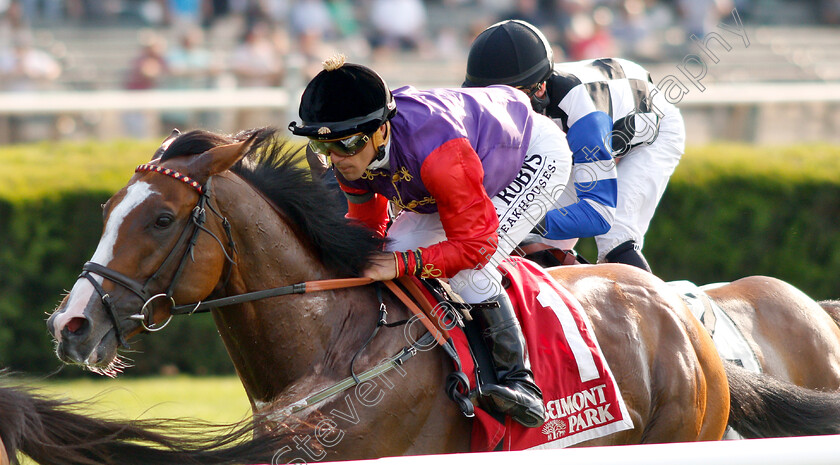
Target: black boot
(516, 394)
(628, 253)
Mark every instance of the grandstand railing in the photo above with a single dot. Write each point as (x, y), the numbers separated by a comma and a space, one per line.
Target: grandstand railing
(709, 107)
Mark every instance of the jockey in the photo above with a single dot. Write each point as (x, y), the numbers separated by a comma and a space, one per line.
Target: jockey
(470, 171)
(627, 139)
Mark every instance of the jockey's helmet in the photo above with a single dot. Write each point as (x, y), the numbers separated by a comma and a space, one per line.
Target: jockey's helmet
(344, 99)
(511, 52)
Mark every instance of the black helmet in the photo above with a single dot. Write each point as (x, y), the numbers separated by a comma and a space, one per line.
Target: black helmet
(511, 52)
(342, 100)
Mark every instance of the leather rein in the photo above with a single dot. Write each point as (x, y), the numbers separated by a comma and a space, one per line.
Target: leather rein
(189, 235)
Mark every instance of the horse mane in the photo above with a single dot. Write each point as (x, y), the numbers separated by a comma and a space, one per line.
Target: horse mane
(275, 166)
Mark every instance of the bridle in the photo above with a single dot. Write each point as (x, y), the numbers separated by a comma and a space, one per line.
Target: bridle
(189, 235)
(457, 382)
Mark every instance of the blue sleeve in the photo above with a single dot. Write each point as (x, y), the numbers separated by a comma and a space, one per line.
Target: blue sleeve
(594, 178)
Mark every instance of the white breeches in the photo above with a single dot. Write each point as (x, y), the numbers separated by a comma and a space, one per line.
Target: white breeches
(520, 207)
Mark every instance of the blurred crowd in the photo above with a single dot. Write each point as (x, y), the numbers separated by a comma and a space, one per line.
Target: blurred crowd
(273, 36)
(182, 44)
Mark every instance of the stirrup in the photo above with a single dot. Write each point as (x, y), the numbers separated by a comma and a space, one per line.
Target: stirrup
(513, 402)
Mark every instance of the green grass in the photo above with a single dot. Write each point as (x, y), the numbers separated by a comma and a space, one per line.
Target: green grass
(214, 399)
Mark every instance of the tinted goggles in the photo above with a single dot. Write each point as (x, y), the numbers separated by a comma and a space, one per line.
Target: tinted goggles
(530, 90)
(346, 147)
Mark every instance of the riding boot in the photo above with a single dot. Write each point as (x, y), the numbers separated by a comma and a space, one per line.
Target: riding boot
(516, 394)
(628, 253)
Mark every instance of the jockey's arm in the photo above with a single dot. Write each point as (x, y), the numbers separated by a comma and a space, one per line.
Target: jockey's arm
(369, 208)
(594, 177)
(454, 175)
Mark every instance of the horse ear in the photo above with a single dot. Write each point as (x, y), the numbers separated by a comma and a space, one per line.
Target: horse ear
(165, 144)
(221, 158)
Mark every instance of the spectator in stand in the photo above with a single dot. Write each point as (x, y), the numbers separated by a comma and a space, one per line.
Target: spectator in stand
(589, 35)
(24, 68)
(829, 11)
(311, 24)
(629, 27)
(185, 13)
(527, 10)
(147, 71)
(397, 25)
(311, 17)
(701, 16)
(257, 62)
(149, 67)
(12, 24)
(190, 65)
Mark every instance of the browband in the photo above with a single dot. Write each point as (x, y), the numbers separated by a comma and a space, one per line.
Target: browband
(148, 167)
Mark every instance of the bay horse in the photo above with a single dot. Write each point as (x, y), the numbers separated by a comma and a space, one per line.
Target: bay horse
(794, 337)
(215, 216)
(59, 432)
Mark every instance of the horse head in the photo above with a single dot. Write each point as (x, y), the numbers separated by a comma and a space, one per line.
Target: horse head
(163, 242)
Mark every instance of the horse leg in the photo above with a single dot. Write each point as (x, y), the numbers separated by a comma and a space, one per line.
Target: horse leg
(793, 338)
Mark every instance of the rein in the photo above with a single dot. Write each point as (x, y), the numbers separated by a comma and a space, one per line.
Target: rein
(197, 219)
(189, 234)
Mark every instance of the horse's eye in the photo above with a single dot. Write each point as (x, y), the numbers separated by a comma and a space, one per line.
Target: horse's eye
(163, 221)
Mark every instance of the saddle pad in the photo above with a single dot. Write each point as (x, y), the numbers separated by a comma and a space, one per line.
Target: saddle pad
(729, 341)
(582, 400)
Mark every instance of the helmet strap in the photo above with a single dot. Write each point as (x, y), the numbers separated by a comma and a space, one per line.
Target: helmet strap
(539, 104)
(379, 142)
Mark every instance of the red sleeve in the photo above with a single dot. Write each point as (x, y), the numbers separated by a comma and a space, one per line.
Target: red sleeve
(454, 176)
(369, 208)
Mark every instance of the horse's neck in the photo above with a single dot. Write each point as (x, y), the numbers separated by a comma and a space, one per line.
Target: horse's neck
(288, 348)
(276, 342)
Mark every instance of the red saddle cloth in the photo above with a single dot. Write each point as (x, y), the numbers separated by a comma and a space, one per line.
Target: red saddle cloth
(581, 398)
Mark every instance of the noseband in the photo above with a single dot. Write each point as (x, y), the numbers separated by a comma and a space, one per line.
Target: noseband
(189, 235)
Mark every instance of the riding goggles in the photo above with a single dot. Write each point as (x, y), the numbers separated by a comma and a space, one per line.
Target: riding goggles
(346, 147)
(530, 90)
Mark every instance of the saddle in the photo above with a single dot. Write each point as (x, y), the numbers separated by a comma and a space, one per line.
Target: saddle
(551, 319)
(548, 256)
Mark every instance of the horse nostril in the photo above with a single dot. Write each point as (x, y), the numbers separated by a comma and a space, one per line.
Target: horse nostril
(76, 325)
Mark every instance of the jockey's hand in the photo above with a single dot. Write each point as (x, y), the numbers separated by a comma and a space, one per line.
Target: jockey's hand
(382, 267)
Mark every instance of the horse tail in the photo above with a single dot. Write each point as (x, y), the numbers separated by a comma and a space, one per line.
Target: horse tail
(56, 432)
(832, 307)
(763, 407)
